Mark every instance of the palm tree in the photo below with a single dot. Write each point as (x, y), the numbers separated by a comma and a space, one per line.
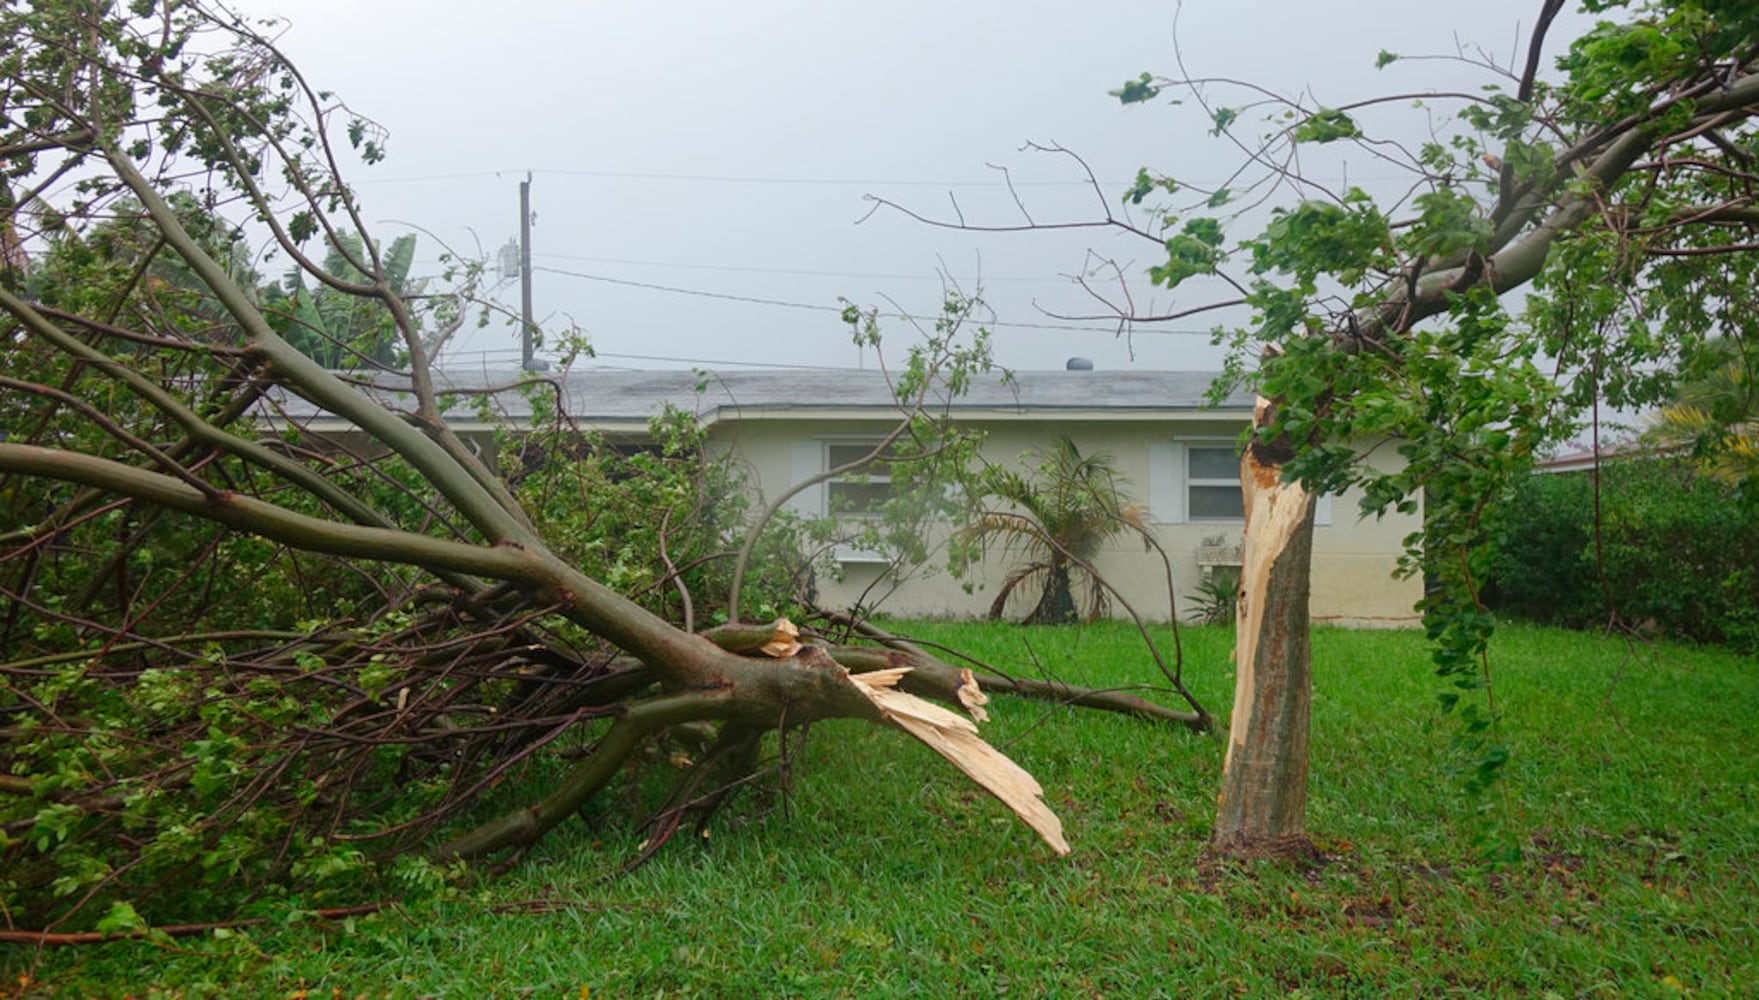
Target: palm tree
(1057, 519)
(1715, 415)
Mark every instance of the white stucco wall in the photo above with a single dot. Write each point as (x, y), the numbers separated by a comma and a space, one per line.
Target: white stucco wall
(1354, 559)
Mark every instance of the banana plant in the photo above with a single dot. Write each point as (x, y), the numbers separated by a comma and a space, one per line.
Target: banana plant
(337, 328)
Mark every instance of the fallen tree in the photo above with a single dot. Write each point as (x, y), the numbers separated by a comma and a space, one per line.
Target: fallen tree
(235, 648)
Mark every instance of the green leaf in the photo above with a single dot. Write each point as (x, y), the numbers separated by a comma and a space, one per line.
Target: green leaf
(301, 227)
(1327, 125)
(1196, 250)
(1385, 59)
(1449, 224)
(122, 919)
(398, 260)
(1138, 90)
(1142, 188)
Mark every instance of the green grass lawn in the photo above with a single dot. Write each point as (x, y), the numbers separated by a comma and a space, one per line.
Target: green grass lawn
(884, 873)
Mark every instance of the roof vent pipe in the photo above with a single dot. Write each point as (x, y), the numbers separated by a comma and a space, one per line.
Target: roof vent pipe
(1079, 365)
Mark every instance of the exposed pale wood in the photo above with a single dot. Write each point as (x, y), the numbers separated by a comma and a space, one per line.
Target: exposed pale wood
(955, 738)
(972, 696)
(1263, 803)
(784, 639)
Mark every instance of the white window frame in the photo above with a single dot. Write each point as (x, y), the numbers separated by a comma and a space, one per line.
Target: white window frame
(1192, 482)
(1169, 482)
(876, 471)
(809, 457)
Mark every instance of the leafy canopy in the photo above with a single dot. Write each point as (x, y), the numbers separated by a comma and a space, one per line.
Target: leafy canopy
(1579, 232)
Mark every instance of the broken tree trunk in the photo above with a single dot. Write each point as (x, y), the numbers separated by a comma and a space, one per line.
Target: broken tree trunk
(782, 683)
(1263, 804)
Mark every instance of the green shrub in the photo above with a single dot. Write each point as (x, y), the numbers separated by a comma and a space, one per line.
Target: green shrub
(1217, 598)
(1677, 550)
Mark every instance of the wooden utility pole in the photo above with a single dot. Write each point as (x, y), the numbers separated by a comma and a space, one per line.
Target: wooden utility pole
(526, 325)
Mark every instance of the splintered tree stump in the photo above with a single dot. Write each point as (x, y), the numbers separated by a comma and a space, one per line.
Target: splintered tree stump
(1263, 804)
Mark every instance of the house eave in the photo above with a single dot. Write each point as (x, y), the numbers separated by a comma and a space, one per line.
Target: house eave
(622, 403)
(987, 414)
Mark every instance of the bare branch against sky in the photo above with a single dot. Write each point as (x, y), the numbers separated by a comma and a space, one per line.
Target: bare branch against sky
(699, 167)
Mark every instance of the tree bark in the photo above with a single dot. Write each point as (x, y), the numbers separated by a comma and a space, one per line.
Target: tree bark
(1056, 605)
(1263, 804)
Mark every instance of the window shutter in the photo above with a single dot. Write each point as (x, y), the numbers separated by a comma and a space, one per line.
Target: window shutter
(805, 460)
(1166, 482)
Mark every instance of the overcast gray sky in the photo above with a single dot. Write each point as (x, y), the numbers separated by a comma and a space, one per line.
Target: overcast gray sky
(725, 149)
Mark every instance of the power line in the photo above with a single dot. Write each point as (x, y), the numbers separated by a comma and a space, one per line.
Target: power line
(689, 291)
(807, 181)
(600, 355)
(770, 270)
(782, 303)
(720, 361)
(630, 175)
(460, 176)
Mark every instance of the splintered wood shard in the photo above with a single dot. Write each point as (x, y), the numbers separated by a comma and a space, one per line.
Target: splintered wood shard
(785, 642)
(972, 696)
(955, 737)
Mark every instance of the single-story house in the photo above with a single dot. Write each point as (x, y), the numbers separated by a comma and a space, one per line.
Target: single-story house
(1176, 454)
(1577, 457)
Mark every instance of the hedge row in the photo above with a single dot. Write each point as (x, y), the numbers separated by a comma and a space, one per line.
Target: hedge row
(1678, 552)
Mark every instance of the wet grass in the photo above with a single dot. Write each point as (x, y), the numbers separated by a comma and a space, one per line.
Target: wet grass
(1633, 794)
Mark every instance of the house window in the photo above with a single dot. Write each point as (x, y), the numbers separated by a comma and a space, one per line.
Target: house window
(1212, 483)
(1196, 481)
(860, 493)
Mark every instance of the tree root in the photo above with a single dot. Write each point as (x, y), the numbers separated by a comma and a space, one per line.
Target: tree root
(1297, 848)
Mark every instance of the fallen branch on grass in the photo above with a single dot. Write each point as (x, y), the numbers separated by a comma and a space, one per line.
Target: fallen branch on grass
(54, 939)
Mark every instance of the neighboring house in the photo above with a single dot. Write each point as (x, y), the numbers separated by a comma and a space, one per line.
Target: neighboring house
(1176, 454)
(1577, 457)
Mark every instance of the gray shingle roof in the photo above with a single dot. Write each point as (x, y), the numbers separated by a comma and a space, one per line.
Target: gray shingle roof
(601, 396)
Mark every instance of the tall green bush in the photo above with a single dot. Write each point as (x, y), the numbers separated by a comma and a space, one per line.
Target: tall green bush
(1677, 549)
